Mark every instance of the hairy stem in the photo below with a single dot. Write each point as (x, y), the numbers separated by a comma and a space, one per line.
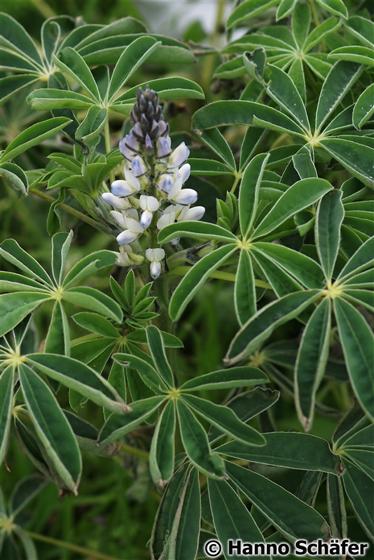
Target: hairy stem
(70, 546)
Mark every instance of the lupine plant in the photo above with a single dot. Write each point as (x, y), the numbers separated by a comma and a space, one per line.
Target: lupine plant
(187, 264)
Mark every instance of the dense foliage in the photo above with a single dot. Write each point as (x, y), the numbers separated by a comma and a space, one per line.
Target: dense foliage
(186, 346)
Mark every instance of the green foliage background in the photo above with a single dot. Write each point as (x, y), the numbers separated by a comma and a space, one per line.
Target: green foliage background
(117, 502)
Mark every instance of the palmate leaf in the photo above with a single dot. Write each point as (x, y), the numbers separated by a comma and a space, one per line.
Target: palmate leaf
(359, 488)
(259, 328)
(162, 453)
(196, 444)
(6, 408)
(330, 216)
(272, 500)
(232, 520)
(52, 428)
(244, 289)
(358, 346)
(311, 361)
(290, 450)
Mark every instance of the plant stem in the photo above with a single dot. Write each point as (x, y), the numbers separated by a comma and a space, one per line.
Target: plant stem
(43, 8)
(70, 546)
(69, 209)
(134, 451)
(236, 182)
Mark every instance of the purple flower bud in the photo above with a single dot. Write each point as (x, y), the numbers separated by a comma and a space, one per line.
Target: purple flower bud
(138, 166)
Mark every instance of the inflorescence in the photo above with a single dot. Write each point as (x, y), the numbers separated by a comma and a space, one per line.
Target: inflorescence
(151, 195)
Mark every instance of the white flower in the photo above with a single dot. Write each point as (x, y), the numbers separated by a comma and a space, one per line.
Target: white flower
(165, 182)
(195, 213)
(138, 166)
(148, 204)
(115, 201)
(168, 216)
(121, 188)
(123, 258)
(163, 146)
(184, 172)
(182, 196)
(133, 230)
(155, 257)
(119, 218)
(178, 156)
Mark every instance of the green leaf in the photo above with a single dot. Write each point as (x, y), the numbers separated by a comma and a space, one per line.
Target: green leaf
(311, 361)
(58, 336)
(301, 521)
(79, 377)
(290, 450)
(134, 55)
(14, 176)
(339, 81)
(232, 520)
(282, 89)
(255, 331)
(225, 419)
(301, 23)
(89, 265)
(364, 107)
(156, 346)
(303, 268)
(362, 438)
(96, 323)
(13, 253)
(359, 261)
(208, 167)
(169, 88)
(336, 7)
(248, 9)
(95, 300)
(321, 31)
(195, 230)
(16, 37)
(161, 460)
(280, 281)
(354, 156)
(302, 194)
(52, 428)
(285, 8)
(196, 444)
(6, 409)
(51, 98)
(358, 347)
(218, 143)
(330, 215)
(303, 163)
(249, 192)
(15, 307)
(184, 535)
(244, 289)
(224, 113)
(117, 426)
(33, 135)
(336, 506)
(146, 371)
(60, 248)
(92, 125)
(195, 278)
(360, 489)
(70, 62)
(243, 376)
(11, 85)
(24, 492)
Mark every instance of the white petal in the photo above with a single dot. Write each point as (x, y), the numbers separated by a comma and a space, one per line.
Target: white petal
(149, 203)
(131, 180)
(134, 225)
(165, 182)
(119, 218)
(146, 219)
(138, 166)
(126, 237)
(121, 188)
(184, 172)
(155, 270)
(157, 254)
(115, 201)
(179, 155)
(166, 219)
(195, 213)
(186, 196)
